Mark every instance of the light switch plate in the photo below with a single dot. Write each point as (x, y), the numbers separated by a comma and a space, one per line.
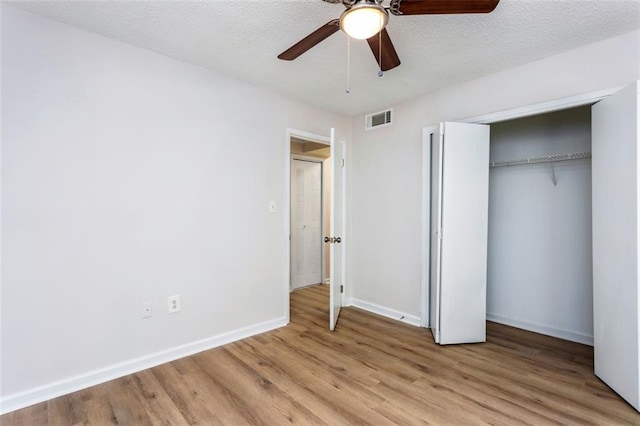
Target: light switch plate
(272, 206)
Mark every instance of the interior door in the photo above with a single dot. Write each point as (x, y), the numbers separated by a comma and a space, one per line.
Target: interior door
(615, 197)
(306, 228)
(336, 239)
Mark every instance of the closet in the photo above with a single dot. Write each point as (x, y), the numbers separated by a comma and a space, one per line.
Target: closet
(564, 231)
(539, 246)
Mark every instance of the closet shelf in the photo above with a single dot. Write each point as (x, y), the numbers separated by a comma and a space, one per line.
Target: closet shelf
(546, 159)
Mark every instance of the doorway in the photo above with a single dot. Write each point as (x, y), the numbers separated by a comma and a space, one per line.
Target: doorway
(309, 212)
(310, 206)
(335, 214)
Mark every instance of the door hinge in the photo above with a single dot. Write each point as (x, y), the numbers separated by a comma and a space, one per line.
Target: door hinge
(341, 288)
(342, 163)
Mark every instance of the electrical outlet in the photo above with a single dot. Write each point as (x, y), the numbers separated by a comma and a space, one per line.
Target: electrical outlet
(146, 310)
(174, 304)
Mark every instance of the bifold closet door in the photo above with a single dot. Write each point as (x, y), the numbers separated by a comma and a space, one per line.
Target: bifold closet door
(306, 224)
(461, 224)
(615, 216)
(435, 208)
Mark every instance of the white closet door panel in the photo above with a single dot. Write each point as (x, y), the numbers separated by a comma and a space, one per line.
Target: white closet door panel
(314, 260)
(298, 212)
(465, 205)
(436, 223)
(306, 214)
(615, 215)
(313, 230)
(297, 258)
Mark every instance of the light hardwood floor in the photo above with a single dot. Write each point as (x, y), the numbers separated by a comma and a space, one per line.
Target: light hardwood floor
(371, 370)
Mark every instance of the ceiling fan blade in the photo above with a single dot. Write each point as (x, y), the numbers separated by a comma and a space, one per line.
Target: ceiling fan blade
(389, 55)
(311, 40)
(434, 7)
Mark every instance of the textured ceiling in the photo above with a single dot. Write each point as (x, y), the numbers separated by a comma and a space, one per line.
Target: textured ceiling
(241, 38)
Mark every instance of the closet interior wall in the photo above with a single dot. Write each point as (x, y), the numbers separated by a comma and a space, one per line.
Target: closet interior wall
(539, 248)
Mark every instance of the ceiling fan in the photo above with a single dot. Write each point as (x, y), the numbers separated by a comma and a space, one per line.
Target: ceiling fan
(367, 19)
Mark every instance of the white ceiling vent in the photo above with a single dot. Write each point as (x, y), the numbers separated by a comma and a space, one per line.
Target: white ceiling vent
(378, 119)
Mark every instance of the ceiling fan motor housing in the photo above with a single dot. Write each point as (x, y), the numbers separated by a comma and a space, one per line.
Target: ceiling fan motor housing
(364, 19)
(352, 2)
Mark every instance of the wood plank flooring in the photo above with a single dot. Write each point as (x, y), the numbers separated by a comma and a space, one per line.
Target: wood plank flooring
(371, 370)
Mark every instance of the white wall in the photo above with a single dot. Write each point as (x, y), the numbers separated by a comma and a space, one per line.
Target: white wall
(386, 162)
(539, 263)
(129, 177)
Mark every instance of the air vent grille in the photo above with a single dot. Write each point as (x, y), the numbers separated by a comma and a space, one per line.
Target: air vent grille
(378, 119)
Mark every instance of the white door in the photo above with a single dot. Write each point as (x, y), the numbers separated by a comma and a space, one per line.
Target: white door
(459, 234)
(336, 239)
(615, 215)
(306, 223)
(436, 225)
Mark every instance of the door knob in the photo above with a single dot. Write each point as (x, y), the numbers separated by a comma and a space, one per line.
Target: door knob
(326, 239)
(338, 240)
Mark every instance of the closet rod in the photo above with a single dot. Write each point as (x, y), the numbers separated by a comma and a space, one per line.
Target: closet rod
(545, 159)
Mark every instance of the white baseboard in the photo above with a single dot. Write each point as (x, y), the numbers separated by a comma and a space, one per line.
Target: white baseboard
(542, 329)
(95, 377)
(385, 312)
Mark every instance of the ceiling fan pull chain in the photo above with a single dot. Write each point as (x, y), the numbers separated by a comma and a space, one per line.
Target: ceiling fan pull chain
(348, 65)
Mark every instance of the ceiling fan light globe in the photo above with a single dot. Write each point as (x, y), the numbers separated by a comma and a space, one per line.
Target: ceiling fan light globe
(364, 20)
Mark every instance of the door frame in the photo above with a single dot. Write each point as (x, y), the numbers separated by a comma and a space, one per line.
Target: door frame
(289, 133)
(504, 115)
(323, 258)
